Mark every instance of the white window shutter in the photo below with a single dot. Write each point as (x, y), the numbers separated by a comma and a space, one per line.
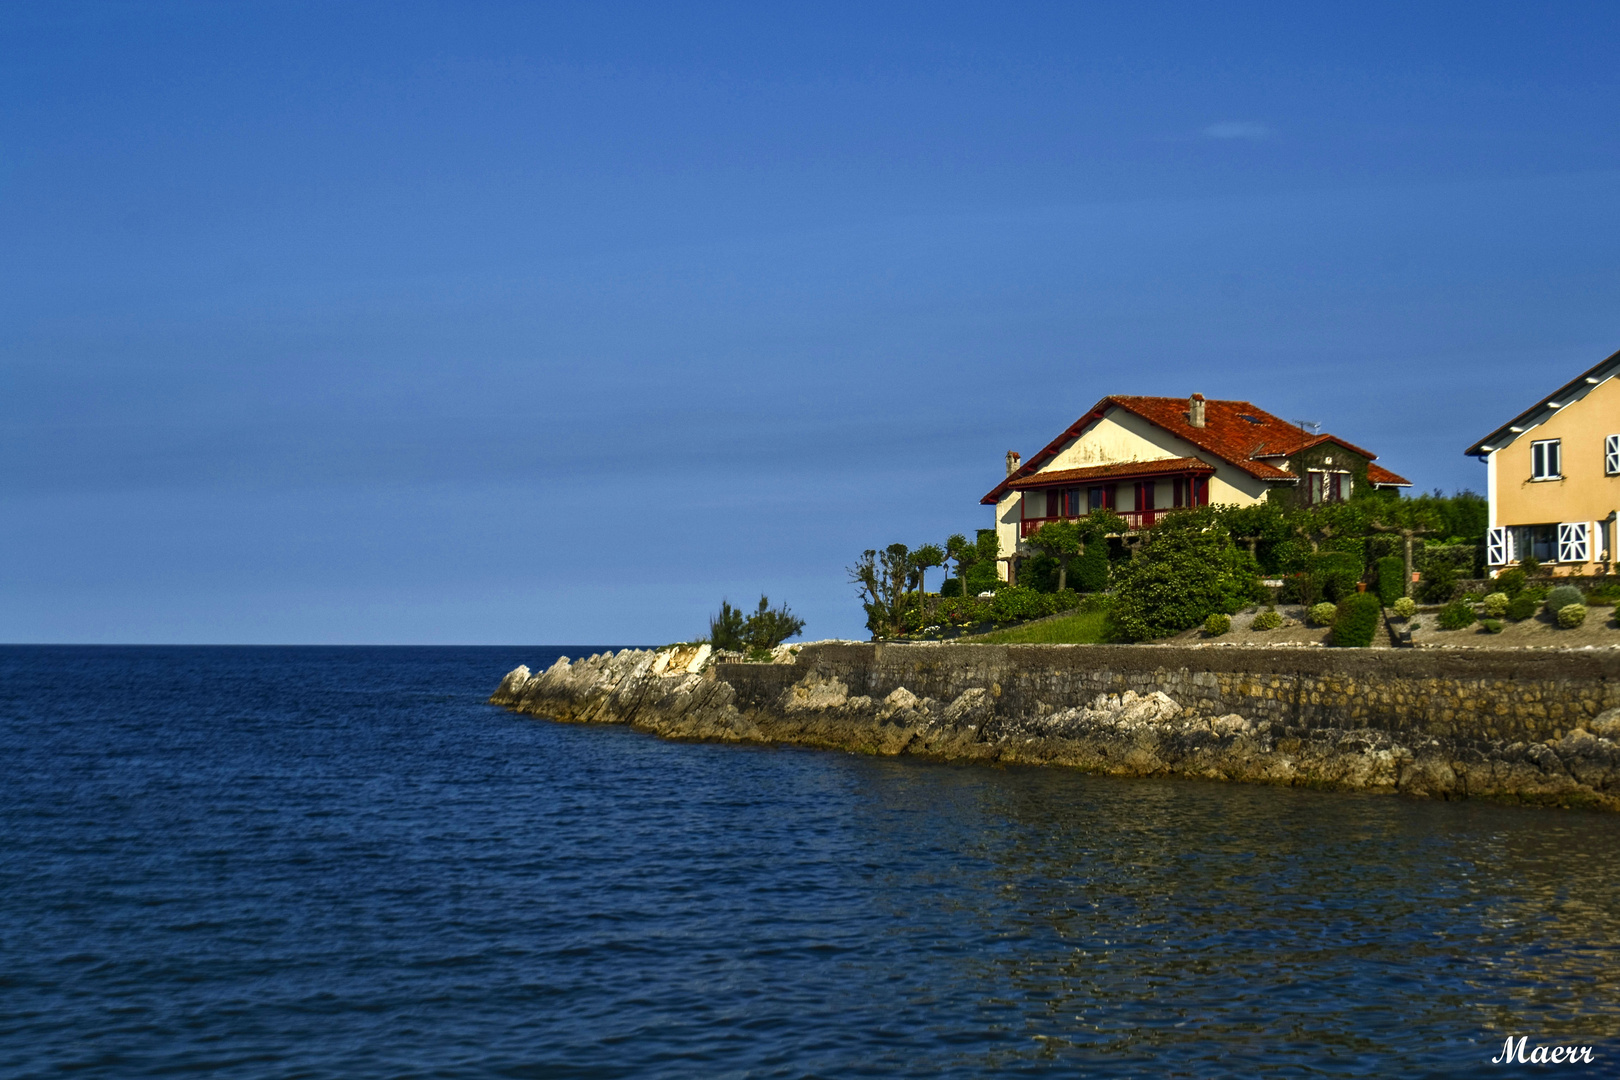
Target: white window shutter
(1496, 544)
(1611, 455)
(1574, 541)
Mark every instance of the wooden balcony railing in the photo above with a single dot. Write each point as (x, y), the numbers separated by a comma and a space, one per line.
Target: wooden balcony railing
(1134, 519)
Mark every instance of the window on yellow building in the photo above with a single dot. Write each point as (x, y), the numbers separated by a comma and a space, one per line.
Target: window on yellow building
(1544, 463)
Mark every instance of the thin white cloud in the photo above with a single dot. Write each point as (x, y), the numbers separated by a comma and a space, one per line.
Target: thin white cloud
(1238, 129)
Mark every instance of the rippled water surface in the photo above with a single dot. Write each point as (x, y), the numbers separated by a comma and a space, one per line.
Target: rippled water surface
(340, 863)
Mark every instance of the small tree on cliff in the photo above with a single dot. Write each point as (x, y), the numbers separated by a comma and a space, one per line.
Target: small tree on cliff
(923, 558)
(726, 628)
(961, 552)
(768, 627)
(880, 578)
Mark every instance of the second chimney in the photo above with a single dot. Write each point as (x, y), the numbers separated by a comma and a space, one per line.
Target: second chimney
(1195, 410)
(1013, 461)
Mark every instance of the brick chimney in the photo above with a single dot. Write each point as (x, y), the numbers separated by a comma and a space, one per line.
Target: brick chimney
(1013, 461)
(1195, 410)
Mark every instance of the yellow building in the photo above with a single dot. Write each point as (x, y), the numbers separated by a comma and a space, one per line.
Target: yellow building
(1554, 477)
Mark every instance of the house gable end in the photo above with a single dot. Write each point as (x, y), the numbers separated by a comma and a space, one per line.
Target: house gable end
(1571, 393)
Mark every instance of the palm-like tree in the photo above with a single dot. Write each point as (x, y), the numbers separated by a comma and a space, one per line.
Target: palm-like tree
(924, 557)
(958, 549)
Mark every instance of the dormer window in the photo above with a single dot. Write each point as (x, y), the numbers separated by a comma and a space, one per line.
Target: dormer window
(1544, 460)
(1326, 487)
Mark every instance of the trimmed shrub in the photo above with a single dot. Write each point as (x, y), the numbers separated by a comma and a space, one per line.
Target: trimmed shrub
(1521, 607)
(1431, 558)
(1496, 604)
(1563, 596)
(1456, 615)
(1391, 579)
(1323, 614)
(1217, 624)
(1571, 615)
(1357, 620)
(1187, 570)
(1511, 582)
(1492, 626)
(1267, 620)
(1016, 602)
(1405, 607)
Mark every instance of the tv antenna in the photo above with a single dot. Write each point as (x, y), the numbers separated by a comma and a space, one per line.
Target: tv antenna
(1312, 426)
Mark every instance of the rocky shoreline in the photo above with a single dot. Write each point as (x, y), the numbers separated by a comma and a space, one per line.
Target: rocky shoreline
(1542, 729)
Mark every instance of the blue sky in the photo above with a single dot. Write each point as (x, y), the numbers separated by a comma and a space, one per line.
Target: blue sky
(474, 323)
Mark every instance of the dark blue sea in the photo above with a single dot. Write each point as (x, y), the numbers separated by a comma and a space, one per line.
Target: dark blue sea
(339, 862)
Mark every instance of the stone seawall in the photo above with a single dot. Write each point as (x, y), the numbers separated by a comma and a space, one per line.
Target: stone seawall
(1540, 726)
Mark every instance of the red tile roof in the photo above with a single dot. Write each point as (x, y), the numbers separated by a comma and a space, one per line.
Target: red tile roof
(1237, 432)
(1113, 472)
(1378, 475)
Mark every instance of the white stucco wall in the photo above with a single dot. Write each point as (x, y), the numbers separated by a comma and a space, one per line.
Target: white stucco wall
(1118, 437)
(1007, 528)
(1122, 436)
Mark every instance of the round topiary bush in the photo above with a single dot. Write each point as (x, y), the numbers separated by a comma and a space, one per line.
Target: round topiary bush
(1496, 604)
(1405, 607)
(1521, 607)
(1562, 596)
(1571, 615)
(1217, 624)
(1323, 614)
(1357, 620)
(1492, 626)
(1267, 620)
(1456, 615)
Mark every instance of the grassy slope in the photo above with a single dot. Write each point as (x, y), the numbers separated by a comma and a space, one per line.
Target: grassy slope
(1085, 628)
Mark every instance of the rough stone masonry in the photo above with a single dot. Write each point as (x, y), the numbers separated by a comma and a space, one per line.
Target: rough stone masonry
(1536, 727)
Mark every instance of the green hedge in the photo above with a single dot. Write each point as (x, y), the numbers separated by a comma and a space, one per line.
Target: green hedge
(1357, 621)
(1011, 603)
(1458, 558)
(1337, 573)
(1391, 579)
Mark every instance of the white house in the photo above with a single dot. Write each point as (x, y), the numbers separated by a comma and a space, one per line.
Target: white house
(1143, 457)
